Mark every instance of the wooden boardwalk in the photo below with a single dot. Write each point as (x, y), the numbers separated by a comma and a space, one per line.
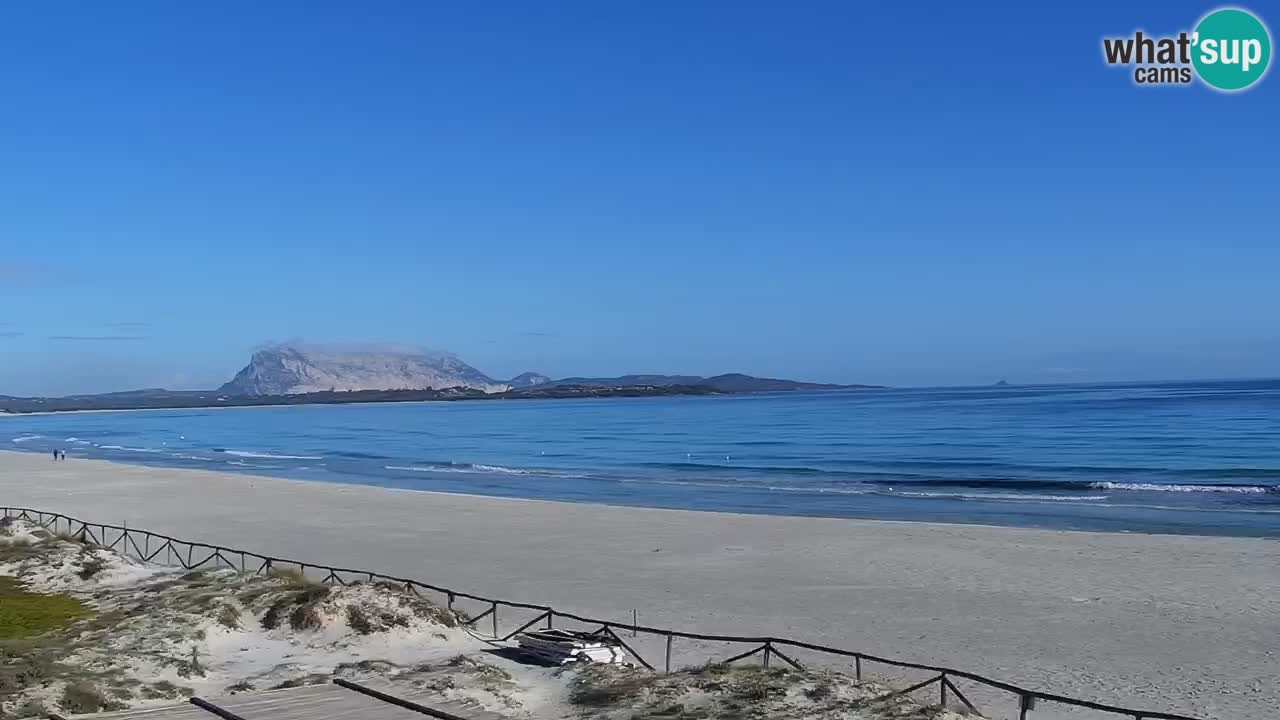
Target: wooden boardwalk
(313, 702)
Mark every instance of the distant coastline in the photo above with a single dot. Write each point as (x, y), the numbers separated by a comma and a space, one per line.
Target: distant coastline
(180, 400)
(198, 399)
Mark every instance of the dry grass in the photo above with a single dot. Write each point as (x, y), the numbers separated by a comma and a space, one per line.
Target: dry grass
(737, 692)
(229, 616)
(304, 680)
(32, 708)
(24, 664)
(90, 565)
(295, 604)
(366, 619)
(84, 697)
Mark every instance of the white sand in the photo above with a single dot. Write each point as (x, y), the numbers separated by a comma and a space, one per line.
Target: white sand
(1175, 623)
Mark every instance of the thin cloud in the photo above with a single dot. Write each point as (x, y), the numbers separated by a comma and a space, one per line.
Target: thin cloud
(18, 275)
(23, 275)
(129, 325)
(11, 334)
(99, 338)
(538, 334)
(351, 347)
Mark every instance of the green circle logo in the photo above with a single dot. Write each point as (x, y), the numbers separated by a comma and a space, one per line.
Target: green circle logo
(1231, 49)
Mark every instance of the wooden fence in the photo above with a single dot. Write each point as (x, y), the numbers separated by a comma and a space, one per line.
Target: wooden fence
(149, 547)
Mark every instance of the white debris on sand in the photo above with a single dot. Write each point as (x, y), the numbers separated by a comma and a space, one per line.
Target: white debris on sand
(158, 634)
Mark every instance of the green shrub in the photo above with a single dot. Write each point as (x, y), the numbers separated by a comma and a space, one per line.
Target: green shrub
(24, 613)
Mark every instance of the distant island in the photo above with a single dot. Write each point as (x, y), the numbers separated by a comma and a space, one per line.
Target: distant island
(326, 375)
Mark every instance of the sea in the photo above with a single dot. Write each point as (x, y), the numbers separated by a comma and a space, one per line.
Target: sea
(1185, 457)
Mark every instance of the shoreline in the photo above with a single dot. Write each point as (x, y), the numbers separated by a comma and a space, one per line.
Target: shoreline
(601, 504)
(694, 513)
(306, 475)
(1079, 613)
(844, 455)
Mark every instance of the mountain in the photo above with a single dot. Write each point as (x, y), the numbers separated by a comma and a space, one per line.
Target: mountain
(529, 379)
(144, 394)
(737, 382)
(656, 380)
(297, 369)
(728, 383)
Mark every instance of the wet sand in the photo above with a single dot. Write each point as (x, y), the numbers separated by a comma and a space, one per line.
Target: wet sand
(1175, 623)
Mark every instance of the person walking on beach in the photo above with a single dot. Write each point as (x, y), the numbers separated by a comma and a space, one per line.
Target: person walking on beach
(55, 453)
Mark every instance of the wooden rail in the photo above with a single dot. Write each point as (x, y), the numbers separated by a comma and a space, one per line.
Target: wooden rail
(211, 708)
(399, 702)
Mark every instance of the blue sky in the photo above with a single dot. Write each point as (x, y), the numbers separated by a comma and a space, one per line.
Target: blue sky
(890, 193)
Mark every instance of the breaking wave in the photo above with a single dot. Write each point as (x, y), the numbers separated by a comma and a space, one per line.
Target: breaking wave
(266, 456)
(478, 468)
(1005, 496)
(1157, 487)
(126, 448)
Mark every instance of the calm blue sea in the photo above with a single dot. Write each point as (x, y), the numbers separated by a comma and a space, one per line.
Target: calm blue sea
(1199, 457)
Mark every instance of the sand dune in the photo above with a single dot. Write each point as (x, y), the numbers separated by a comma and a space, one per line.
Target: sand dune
(1175, 623)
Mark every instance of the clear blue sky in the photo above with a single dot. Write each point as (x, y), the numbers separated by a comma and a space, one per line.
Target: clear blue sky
(903, 193)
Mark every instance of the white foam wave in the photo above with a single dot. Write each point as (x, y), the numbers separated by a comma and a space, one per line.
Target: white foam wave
(1027, 497)
(1193, 509)
(1004, 496)
(1156, 487)
(27, 438)
(480, 469)
(744, 486)
(125, 448)
(270, 456)
(501, 469)
(821, 490)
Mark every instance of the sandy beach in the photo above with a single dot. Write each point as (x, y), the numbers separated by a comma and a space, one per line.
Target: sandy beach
(1177, 623)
